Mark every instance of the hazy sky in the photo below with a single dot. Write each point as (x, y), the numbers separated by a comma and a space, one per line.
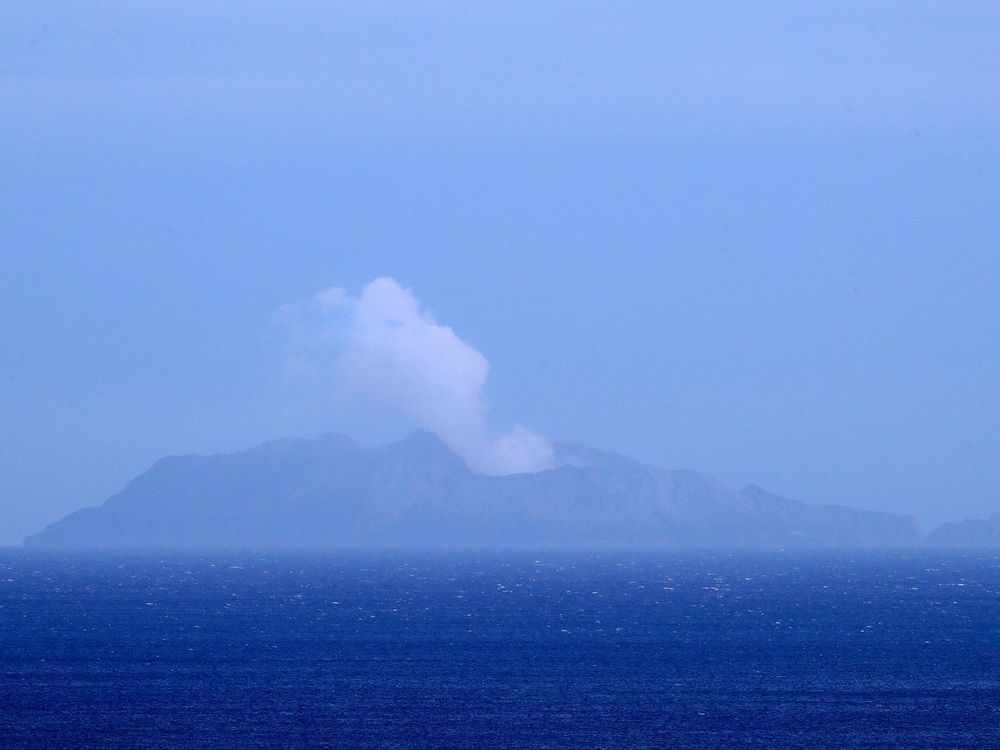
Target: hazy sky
(758, 239)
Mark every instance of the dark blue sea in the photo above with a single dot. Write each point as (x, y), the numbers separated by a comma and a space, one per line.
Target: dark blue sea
(500, 650)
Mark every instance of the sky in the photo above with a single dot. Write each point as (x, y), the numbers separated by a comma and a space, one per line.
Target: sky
(761, 240)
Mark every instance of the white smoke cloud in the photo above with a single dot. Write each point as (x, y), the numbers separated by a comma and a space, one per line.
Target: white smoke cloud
(383, 345)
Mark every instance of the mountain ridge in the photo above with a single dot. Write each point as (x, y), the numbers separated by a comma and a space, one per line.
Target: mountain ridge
(332, 492)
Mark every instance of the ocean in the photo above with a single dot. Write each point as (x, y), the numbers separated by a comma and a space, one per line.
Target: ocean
(505, 649)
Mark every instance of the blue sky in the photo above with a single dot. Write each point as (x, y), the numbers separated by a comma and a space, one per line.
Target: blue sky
(762, 240)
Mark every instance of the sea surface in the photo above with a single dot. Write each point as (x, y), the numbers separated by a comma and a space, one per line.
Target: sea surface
(499, 650)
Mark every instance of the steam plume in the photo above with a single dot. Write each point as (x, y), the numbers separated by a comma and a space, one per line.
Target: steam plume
(385, 346)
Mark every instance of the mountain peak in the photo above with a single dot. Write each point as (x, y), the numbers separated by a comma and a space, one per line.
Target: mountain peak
(423, 446)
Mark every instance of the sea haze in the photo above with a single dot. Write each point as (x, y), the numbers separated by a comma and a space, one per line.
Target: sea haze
(499, 649)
